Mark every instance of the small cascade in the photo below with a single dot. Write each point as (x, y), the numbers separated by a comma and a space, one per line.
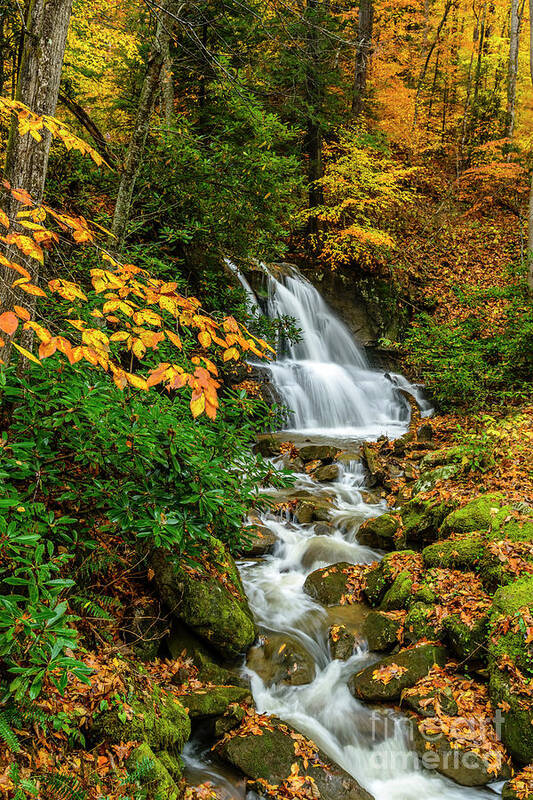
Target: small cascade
(324, 378)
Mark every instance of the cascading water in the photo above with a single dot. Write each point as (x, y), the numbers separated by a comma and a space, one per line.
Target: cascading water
(326, 380)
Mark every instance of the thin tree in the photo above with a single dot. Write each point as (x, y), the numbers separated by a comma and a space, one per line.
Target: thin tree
(517, 10)
(420, 83)
(39, 74)
(151, 87)
(362, 54)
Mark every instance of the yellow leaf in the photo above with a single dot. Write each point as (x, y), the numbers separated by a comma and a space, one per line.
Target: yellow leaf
(197, 404)
(204, 338)
(174, 339)
(26, 353)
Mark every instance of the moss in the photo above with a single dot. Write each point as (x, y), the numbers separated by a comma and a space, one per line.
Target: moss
(417, 663)
(507, 602)
(155, 779)
(328, 584)
(430, 479)
(444, 456)
(217, 612)
(482, 514)
(454, 553)
(379, 532)
(516, 722)
(424, 595)
(376, 581)
(214, 701)
(421, 518)
(380, 631)
(468, 644)
(399, 594)
(172, 763)
(161, 722)
(418, 624)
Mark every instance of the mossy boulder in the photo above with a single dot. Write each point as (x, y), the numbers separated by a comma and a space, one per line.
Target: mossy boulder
(160, 721)
(398, 596)
(270, 757)
(467, 642)
(381, 631)
(207, 596)
(154, 777)
(421, 519)
(385, 680)
(328, 585)
(382, 577)
(423, 703)
(183, 642)
(439, 458)
(145, 627)
(281, 659)
(463, 553)
(462, 765)
(509, 651)
(486, 512)
(214, 701)
(420, 624)
(380, 532)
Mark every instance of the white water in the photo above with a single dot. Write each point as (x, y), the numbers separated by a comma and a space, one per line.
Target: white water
(325, 379)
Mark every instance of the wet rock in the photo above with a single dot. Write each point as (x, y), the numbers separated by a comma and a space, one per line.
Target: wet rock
(230, 720)
(430, 479)
(183, 643)
(214, 701)
(214, 607)
(341, 642)
(266, 446)
(324, 549)
(270, 757)
(261, 540)
(381, 631)
(326, 473)
(462, 765)
(509, 652)
(468, 643)
(401, 444)
(323, 529)
(347, 456)
(381, 578)
(480, 514)
(328, 585)
(315, 509)
(438, 458)
(425, 703)
(317, 452)
(398, 671)
(379, 532)
(282, 659)
(374, 464)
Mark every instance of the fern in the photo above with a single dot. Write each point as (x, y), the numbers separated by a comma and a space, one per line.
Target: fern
(141, 772)
(63, 787)
(6, 733)
(88, 608)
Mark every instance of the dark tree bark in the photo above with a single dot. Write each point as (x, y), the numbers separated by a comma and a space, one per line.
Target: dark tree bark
(362, 54)
(530, 211)
(90, 126)
(517, 10)
(314, 101)
(423, 71)
(38, 81)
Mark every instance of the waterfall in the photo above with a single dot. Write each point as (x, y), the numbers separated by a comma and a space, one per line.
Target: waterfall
(324, 378)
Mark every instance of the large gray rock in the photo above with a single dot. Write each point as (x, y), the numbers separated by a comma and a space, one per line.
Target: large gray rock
(270, 757)
(385, 680)
(282, 659)
(328, 585)
(381, 631)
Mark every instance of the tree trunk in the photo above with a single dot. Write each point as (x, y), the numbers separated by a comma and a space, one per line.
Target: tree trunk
(26, 165)
(132, 164)
(314, 100)
(425, 65)
(512, 72)
(167, 88)
(530, 214)
(362, 54)
(90, 126)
